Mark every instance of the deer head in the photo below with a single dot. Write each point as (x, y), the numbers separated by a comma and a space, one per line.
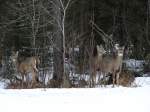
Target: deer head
(120, 50)
(100, 50)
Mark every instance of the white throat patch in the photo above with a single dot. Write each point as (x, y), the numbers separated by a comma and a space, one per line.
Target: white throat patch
(120, 54)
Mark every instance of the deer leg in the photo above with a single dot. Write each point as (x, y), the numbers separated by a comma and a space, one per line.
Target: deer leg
(94, 78)
(104, 79)
(35, 69)
(33, 78)
(113, 78)
(22, 83)
(117, 78)
(99, 77)
(91, 78)
(27, 80)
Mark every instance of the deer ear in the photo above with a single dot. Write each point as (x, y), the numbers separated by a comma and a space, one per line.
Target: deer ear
(17, 52)
(101, 48)
(97, 47)
(116, 46)
(123, 47)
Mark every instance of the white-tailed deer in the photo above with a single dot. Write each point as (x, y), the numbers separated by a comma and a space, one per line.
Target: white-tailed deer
(28, 65)
(97, 61)
(113, 64)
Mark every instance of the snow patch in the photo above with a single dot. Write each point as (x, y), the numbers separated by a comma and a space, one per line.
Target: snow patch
(135, 65)
(105, 99)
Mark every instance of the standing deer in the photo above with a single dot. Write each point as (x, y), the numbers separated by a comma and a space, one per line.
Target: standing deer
(28, 65)
(113, 64)
(97, 61)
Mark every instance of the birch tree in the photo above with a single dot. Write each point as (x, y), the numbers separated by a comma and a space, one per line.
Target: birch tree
(60, 8)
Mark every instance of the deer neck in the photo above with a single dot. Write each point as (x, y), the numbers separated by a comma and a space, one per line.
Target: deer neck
(120, 57)
(100, 55)
(119, 60)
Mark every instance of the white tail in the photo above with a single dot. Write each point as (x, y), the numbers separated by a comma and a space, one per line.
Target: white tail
(28, 65)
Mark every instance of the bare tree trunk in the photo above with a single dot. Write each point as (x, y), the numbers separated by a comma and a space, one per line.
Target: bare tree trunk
(59, 49)
(147, 22)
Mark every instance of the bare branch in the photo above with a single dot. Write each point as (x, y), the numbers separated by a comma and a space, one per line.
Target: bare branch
(4, 25)
(66, 7)
(62, 5)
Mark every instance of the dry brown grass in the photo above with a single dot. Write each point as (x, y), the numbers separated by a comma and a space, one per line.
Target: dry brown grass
(126, 78)
(19, 85)
(82, 83)
(52, 83)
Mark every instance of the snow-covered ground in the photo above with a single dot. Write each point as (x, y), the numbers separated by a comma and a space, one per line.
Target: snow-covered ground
(118, 99)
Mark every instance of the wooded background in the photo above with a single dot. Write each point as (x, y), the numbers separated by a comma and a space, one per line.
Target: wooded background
(37, 26)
